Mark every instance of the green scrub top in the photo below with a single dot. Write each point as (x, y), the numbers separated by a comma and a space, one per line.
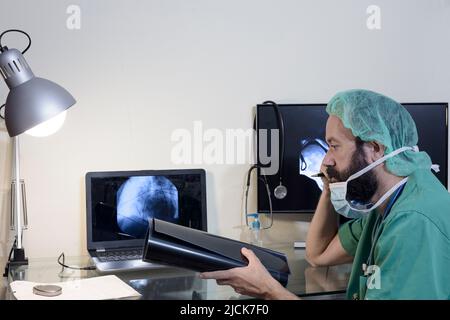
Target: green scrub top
(412, 254)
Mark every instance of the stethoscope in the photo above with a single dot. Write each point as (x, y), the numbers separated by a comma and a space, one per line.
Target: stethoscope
(376, 231)
(256, 215)
(280, 191)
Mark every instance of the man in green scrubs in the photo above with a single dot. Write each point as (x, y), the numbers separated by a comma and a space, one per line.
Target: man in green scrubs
(399, 237)
(400, 250)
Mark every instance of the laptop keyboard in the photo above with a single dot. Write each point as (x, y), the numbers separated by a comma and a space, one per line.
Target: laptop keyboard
(120, 255)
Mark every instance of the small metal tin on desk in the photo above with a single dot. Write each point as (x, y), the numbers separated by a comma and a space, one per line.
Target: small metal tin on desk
(47, 290)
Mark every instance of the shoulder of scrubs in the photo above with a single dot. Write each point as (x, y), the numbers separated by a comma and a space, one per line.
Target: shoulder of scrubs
(424, 193)
(413, 259)
(412, 252)
(350, 233)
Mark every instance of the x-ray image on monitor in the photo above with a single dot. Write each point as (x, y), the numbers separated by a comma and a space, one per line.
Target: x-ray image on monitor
(305, 148)
(312, 152)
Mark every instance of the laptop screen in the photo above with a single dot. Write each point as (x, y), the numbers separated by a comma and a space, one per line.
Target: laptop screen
(119, 204)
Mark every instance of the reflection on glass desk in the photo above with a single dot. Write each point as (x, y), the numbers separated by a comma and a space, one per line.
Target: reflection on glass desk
(175, 283)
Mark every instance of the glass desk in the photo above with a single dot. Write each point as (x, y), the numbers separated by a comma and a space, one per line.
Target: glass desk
(174, 283)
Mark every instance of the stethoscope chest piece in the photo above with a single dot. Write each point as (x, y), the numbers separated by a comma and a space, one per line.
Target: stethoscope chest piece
(280, 192)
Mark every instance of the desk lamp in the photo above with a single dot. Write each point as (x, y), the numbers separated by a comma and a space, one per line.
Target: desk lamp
(35, 106)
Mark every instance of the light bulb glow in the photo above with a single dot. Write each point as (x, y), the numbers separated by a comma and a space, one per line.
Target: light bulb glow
(48, 127)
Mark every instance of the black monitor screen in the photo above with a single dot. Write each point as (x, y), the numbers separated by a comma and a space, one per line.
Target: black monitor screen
(305, 147)
(120, 205)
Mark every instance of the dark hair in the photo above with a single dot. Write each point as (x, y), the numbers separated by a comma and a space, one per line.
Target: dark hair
(359, 143)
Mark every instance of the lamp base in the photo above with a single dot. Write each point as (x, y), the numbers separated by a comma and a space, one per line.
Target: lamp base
(18, 258)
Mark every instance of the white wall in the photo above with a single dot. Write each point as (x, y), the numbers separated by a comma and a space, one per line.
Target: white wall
(141, 69)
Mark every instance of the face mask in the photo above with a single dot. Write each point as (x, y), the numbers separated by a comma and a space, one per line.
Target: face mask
(356, 210)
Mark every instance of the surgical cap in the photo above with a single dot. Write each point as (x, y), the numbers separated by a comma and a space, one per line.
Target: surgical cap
(374, 117)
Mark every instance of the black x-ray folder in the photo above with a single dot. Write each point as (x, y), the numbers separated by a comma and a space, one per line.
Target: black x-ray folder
(176, 245)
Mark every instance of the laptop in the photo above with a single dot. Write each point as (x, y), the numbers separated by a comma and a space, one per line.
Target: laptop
(120, 203)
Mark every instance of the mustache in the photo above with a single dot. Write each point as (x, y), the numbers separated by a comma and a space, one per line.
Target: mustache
(334, 174)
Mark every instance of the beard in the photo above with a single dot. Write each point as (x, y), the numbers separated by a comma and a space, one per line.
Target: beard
(361, 189)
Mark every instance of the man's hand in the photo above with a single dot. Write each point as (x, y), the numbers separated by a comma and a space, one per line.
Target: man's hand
(252, 280)
(325, 178)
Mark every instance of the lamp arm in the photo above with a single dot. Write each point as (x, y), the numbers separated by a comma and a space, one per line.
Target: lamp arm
(17, 193)
(17, 255)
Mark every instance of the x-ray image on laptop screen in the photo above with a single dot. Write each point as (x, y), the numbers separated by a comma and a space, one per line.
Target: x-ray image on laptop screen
(122, 205)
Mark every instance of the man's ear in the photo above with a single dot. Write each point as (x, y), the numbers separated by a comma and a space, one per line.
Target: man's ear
(377, 150)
